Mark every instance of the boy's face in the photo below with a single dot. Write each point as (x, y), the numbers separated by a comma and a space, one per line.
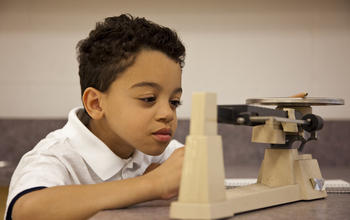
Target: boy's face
(140, 106)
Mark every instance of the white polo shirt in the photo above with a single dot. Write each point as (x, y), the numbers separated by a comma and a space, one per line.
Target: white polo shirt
(74, 156)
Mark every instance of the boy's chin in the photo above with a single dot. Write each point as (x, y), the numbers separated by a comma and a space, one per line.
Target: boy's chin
(155, 152)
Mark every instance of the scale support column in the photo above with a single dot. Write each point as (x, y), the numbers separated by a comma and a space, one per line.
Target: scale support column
(202, 188)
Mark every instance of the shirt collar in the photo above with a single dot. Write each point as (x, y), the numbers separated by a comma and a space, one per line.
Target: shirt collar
(96, 154)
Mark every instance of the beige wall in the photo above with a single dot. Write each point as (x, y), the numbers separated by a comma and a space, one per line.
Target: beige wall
(238, 49)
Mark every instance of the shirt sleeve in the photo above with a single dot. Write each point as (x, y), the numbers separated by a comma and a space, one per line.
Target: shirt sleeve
(36, 170)
(8, 215)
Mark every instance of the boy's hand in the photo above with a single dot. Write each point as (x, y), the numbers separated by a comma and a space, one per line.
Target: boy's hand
(167, 175)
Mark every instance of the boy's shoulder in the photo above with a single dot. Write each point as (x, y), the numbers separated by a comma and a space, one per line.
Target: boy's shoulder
(54, 143)
(59, 146)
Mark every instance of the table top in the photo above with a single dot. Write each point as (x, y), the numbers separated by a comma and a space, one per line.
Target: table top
(334, 206)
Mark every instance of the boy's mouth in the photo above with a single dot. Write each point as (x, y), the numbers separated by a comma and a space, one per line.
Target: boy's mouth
(163, 135)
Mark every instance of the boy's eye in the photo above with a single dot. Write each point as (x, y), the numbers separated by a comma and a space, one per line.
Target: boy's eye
(176, 103)
(148, 99)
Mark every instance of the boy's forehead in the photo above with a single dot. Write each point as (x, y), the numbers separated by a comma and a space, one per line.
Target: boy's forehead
(151, 64)
(144, 77)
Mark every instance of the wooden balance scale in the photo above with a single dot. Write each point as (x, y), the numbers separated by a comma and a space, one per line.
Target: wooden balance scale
(286, 175)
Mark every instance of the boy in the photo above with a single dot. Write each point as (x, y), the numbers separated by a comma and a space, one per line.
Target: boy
(117, 150)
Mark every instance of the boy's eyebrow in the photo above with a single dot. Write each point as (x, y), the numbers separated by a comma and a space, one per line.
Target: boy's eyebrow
(178, 90)
(154, 85)
(147, 84)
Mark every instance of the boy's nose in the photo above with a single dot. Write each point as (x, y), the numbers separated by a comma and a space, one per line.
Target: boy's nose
(165, 113)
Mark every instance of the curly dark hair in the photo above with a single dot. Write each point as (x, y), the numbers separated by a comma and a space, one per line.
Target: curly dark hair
(113, 45)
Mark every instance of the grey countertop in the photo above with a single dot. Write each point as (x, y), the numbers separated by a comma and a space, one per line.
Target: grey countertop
(334, 206)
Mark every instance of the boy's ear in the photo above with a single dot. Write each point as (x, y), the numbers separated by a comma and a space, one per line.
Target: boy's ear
(92, 103)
